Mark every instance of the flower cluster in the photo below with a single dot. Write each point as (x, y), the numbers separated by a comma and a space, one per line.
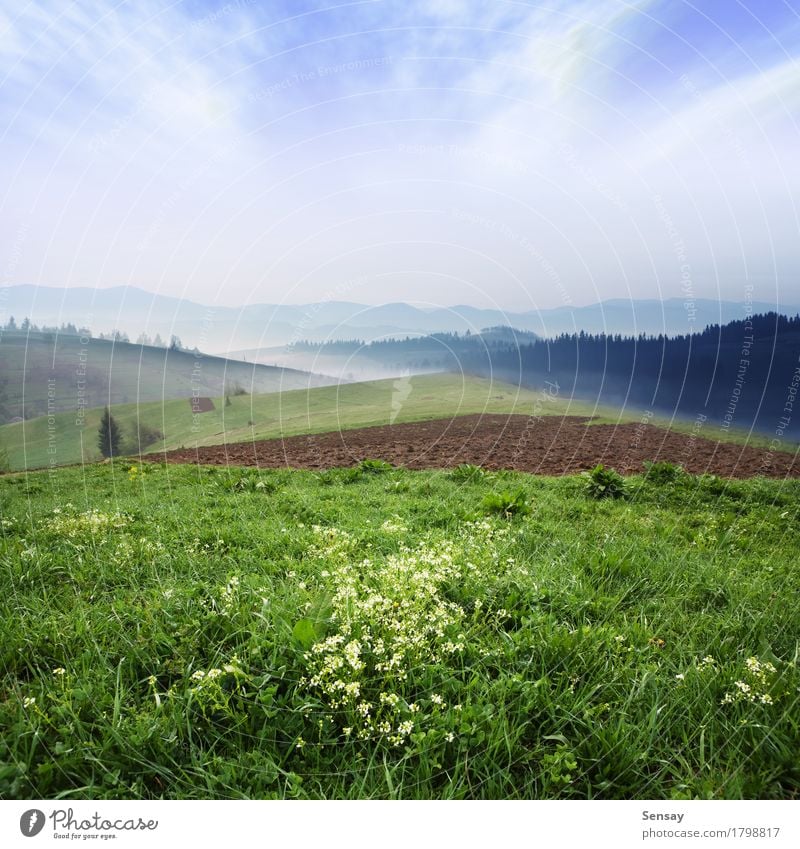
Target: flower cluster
(128, 549)
(93, 522)
(756, 684)
(394, 526)
(390, 618)
(706, 664)
(214, 690)
(229, 595)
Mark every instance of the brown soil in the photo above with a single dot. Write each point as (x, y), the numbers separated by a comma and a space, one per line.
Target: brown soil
(544, 445)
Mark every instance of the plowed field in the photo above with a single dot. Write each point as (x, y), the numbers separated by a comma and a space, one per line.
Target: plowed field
(549, 445)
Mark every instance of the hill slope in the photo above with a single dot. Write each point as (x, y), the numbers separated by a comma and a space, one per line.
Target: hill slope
(46, 373)
(59, 440)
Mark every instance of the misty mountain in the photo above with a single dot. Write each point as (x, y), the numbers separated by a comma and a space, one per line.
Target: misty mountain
(358, 359)
(744, 374)
(221, 328)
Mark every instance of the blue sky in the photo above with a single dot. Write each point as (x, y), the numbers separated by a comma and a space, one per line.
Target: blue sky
(512, 154)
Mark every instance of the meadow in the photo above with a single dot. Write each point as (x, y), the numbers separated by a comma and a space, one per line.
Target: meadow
(192, 632)
(45, 373)
(62, 440)
(34, 444)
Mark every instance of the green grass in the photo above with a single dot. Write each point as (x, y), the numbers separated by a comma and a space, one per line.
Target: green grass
(62, 440)
(182, 632)
(33, 444)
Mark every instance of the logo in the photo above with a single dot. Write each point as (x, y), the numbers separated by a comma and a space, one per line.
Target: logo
(31, 822)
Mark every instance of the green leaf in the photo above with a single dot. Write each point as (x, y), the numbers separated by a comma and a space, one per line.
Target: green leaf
(305, 632)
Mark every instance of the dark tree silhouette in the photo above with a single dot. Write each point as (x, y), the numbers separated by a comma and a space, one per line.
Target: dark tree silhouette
(109, 435)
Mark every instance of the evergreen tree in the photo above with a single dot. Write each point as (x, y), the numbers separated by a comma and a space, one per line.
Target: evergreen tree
(109, 435)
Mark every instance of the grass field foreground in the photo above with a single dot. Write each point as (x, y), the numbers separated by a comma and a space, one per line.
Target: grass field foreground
(371, 632)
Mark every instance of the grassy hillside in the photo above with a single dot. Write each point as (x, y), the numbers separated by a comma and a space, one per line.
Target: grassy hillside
(35, 443)
(45, 372)
(218, 633)
(60, 440)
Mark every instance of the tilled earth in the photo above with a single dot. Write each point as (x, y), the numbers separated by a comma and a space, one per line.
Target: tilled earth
(548, 445)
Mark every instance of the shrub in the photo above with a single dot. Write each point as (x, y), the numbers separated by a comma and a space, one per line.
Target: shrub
(507, 503)
(661, 472)
(251, 483)
(604, 483)
(467, 473)
(375, 467)
(142, 436)
(343, 476)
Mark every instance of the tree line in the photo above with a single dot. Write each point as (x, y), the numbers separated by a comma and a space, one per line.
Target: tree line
(69, 329)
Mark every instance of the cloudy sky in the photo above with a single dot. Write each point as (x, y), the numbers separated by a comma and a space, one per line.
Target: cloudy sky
(517, 154)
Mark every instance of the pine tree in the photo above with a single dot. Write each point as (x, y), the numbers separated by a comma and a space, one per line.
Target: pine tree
(109, 435)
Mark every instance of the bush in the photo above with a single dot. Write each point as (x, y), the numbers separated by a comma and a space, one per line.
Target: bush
(507, 503)
(604, 483)
(661, 472)
(143, 436)
(375, 467)
(467, 473)
(339, 476)
(250, 483)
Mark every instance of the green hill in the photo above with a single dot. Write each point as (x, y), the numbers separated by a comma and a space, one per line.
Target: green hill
(59, 439)
(45, 373)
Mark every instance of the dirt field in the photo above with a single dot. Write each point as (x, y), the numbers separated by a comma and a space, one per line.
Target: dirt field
(546, 445)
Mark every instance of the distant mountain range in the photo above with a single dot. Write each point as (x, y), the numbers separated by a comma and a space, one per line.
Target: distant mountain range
(223, 329)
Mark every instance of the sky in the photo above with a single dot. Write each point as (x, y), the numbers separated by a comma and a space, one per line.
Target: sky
(519, 155)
